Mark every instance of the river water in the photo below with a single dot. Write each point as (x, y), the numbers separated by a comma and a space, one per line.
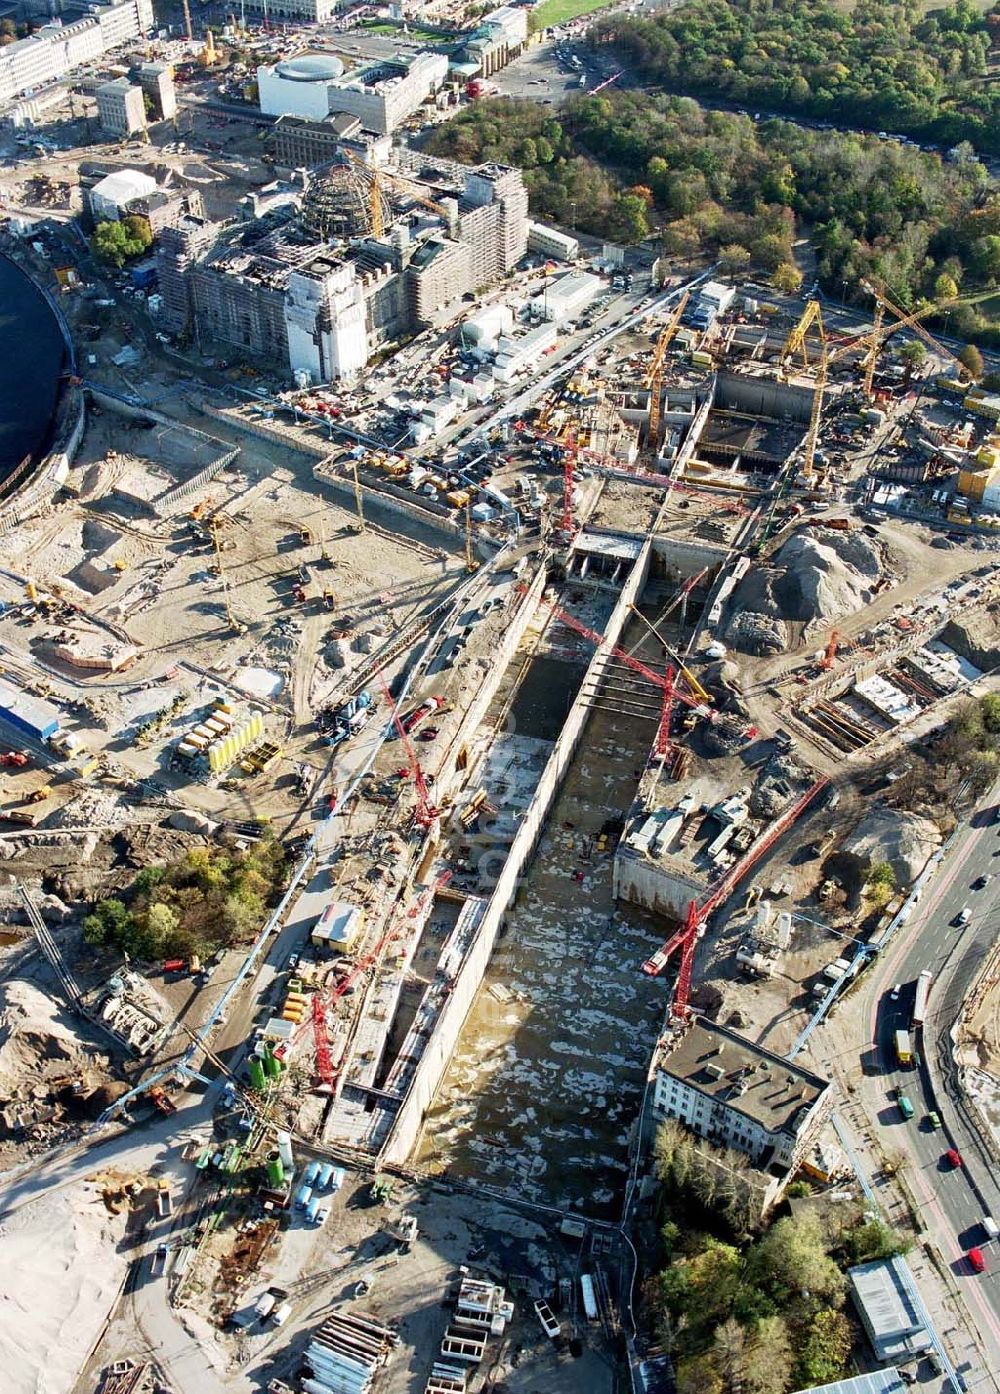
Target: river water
(31, 361)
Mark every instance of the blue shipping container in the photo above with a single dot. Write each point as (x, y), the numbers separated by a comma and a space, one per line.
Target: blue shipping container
(325, 1172)
(303, 1197)
(145, 274)
(312, 1210)
(26, 713)
(311, 1173)
(337, 1180)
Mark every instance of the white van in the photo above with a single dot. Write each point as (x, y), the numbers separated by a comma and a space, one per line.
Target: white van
(281, 1314)
(265, 1305)
(991, 1227)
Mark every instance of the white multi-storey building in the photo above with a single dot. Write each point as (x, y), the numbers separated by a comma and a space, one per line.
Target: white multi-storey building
(57, 49)
(737, 1094)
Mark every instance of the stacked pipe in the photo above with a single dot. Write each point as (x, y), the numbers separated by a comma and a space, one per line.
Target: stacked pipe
(345, 1354)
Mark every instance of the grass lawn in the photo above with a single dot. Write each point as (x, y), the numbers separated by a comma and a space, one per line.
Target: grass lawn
(551, 12)
(376, 26)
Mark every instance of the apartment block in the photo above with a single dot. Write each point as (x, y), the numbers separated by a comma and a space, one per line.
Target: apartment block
(157, 82)
(58, 48)
(735, 1093)
(121, 109)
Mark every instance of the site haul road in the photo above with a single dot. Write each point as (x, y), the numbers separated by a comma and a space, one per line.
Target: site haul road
(952, 1200)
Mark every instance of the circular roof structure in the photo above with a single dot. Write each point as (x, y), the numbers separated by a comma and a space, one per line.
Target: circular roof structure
(337, 204)
(311, 67)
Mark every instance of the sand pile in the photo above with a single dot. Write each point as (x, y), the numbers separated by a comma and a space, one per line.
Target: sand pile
(817, 575)
(37, 1042)
(904, 840)
(63, 1251)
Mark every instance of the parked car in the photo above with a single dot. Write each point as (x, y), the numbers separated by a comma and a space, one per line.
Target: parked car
(953, 1157)
(977, 1260)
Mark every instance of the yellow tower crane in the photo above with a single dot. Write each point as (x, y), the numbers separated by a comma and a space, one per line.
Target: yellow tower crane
(876, 338)
(377, 179)
(658, 368)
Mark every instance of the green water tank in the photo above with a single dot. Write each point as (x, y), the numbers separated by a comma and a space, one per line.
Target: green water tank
(275, 1171)
(257, 1077)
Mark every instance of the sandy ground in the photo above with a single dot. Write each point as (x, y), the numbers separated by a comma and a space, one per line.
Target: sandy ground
(63, 1269)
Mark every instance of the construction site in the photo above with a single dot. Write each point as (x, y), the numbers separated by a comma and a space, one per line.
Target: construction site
(565, 720)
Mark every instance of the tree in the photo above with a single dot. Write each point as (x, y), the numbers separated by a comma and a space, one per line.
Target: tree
(733, 259)
(989, 710)
(945, 287)
(114, 243)
(787, 279)
(972, 361)
(109, 924)
(767, 1361)
(986, 258)
(791, 1258)
(161, 925)
(913, 353)
(823, 1356)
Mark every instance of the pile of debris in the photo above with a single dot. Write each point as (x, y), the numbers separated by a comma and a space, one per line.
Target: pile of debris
(817, 575)
(47, 1070)
(727, 735)
(782, 779)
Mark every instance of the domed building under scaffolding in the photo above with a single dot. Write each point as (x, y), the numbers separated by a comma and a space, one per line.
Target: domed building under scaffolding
(338, 204)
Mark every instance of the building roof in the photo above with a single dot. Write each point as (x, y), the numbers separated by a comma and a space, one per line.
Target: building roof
(726, 1067)
(123, 186)
(875, 1382)
(311, 67)
(882, 1292)
(36, 712)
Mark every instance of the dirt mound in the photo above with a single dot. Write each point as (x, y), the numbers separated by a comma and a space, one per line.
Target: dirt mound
(904, 840)
(38, 1042)
(976, 638)
(817, 575)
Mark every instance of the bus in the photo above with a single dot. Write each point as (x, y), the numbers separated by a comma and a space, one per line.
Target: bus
(924, 980)
(905, 1107)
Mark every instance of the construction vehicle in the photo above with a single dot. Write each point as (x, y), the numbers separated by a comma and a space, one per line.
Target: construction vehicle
(351, 718)
(40, 795)
(830, 653)
(161, 1101)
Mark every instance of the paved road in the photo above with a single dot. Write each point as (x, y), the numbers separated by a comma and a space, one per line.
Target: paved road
(952, 1200)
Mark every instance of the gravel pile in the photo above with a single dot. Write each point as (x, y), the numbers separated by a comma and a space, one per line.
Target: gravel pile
(818, 575)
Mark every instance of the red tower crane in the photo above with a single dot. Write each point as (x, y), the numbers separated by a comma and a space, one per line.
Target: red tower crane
(696, 920)
(832, 644)
(569, 472)
(426, 813)
(665, 684)
(323, 1001)
(575, 451)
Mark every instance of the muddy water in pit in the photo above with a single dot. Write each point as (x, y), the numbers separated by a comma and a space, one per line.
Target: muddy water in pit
(545, 1085)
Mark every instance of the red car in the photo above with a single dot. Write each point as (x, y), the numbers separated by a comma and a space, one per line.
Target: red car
(976, 1260)
(953, 1157)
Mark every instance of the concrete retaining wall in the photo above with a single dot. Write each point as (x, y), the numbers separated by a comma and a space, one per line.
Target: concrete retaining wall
(409, 1120)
